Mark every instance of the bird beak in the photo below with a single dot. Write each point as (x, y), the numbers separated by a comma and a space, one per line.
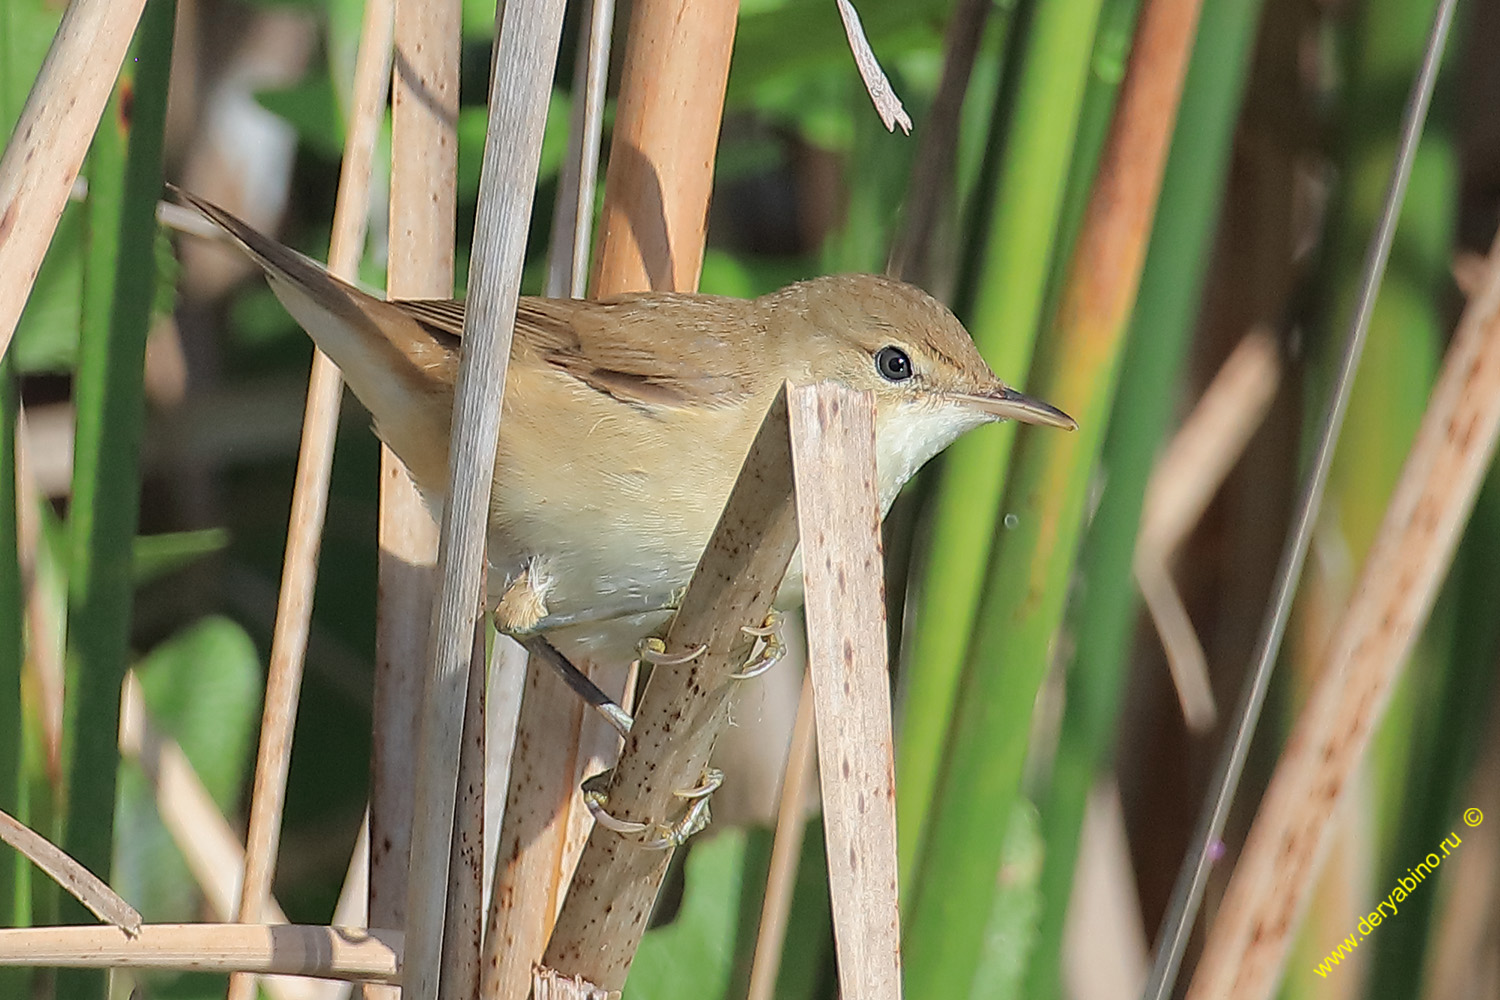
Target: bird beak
(1006, 403)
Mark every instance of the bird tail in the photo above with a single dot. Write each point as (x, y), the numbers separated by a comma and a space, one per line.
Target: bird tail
(398, 367)
(280, 262)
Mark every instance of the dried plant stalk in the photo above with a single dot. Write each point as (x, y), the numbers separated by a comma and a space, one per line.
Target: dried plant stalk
(1210, 441)
(463, 926)
(838, 514)
(280, 950)
(45, 152)
(573, 214)
(1186, 477)
(682, 711)
(82, 884)
(208, 844)
(1278, 867)
(786, 849)
(666, 133)
(310, 494)
(424, 186)
(525, 58)
(662, 154)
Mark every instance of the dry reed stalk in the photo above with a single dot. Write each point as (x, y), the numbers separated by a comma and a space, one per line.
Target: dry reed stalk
(1188, 474)
(682, 710)
(557, 744)
(786, 850)
(1463, 961)
(573, 215)
(279, 950)
(82, 884)
(1209, 443)
(1277, 870)
(838, 515)
(502, 710)
(666, 135)
(882, 94)
(529, 868)
(1105, 950)
(310, 493)
(43, 155)
(463, 924)
(424, 195)
(553, 738)
(208, 844)
(521, 77)
(352, 909)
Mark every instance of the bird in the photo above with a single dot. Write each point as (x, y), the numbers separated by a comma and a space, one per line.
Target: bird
(625, 420)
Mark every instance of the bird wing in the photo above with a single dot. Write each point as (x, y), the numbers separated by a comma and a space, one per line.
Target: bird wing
(652, 350)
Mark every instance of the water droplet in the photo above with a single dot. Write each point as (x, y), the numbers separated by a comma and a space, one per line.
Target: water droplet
(1011, 520)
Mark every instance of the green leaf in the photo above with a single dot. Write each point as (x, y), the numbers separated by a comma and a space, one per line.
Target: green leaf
(692, 957)
(311, 107)
(745, 276)
(47, 336)
(1011, 933)
(156, 556)
(28, 27)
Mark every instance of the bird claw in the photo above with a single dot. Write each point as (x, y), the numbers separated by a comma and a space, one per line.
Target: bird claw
(654, 652)
(663, 836)
(767, 652)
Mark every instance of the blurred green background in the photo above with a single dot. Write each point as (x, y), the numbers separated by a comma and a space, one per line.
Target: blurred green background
(163, 389)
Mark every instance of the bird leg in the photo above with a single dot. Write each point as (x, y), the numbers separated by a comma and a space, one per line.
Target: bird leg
(586, 689)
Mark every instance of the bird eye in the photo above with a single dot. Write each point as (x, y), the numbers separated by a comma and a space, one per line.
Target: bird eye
(893, 364)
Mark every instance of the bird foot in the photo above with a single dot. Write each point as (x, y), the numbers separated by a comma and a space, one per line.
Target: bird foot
(655, 836)
(654, 651)
(769, 648)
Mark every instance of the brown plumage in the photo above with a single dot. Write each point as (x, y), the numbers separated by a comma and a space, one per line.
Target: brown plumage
(625, 421)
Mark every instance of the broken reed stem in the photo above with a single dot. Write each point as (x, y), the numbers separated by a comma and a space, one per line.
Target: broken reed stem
(279, 950)
(1210, 442)
(1188, 474)
(42, 157)
(207, 842)
(1278, 868)
(682, 711)
(424, 186)
(521, 77)
(310, 493)
(82, 884)
(838, 515)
